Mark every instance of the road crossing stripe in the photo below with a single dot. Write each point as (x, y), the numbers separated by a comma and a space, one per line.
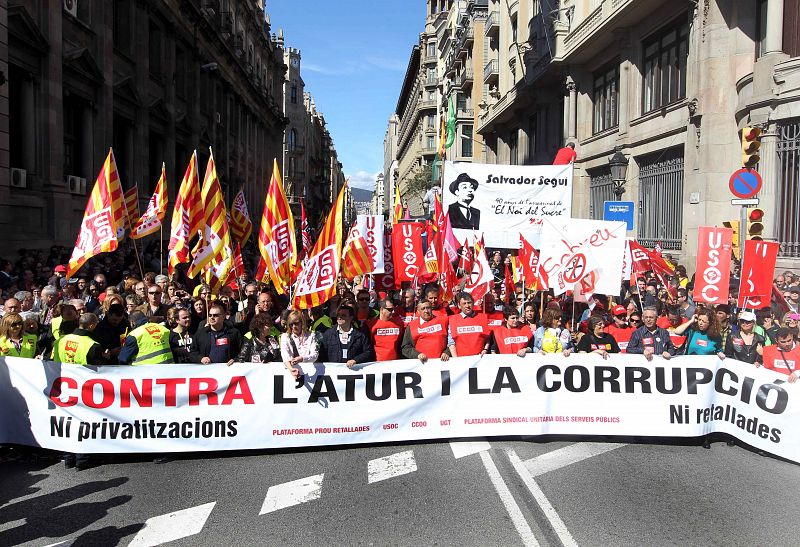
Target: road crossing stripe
(292, 493)
(523, 529)
(547, 508)
(172, 526)
(568, 455)
(387, 467)
(467, 448)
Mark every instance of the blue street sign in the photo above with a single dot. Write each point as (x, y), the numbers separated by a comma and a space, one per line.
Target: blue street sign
(619, 210)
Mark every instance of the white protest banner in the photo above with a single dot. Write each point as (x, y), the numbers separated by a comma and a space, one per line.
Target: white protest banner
(502, 201)
(576, 248)
(188, 408)
(371, 227)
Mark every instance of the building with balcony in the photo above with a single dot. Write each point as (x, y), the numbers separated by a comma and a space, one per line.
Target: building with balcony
(378, 203)
(668, 84)
(390, 165)
(155, 80)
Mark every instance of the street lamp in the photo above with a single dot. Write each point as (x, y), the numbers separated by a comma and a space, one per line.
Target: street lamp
(619, 169)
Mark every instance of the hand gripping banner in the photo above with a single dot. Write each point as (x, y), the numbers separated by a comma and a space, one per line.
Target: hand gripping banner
(188, 408)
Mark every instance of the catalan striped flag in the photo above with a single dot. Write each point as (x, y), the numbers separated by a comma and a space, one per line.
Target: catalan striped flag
(276, 238)
(398, 206)
(132, 206)
(356, 259)
(187, 216)
(241, 225)
(317, 282)
(150, 222)
(214, 248)
(103, 220)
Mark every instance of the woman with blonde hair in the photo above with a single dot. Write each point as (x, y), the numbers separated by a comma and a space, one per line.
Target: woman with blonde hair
(298, 344)
(111, 299)
(13, 340)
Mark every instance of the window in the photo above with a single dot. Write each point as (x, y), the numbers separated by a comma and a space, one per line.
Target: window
(293, 94)
(122, 25)
(182, 69)
(73, 133)
(661, 199)
(533, 128)
(466, 141)
(431, 143)
(600, 190)
(761, 26)
(513, 149)
(431, 49)
(665, 66)
(461, 101)
(431, 75)
(787, 223)
(606, 98)
(291, 140)
(514, 29)
(155, 50)
(431, 95)
(430, 121)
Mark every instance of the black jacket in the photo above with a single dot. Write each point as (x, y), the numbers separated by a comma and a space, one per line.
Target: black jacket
(359, 347)
(201, 343)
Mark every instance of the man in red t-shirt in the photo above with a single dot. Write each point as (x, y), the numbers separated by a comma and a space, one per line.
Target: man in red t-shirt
(784, 356)
(566, 155)
(621, 330)
(407, 310)
(386, 332)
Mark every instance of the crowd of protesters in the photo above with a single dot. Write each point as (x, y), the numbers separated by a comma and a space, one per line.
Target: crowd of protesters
(120, 309)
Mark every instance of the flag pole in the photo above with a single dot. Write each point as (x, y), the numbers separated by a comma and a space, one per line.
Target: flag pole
(138, 260)
(161, 252)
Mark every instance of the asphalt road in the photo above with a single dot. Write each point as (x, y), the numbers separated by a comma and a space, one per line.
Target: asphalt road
(508, 492)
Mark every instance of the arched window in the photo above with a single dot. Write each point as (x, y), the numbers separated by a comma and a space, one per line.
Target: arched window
(291, 139)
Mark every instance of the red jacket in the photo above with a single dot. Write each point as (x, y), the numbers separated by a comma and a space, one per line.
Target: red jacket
(785, 363)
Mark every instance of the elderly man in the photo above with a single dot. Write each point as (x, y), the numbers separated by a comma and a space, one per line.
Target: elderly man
(462, 215)
(25, 300)
(49, 301)
(426, 336)
(12, 305)
(650, 339)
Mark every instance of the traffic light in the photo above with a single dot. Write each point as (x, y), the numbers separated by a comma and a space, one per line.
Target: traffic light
(734, 224)
(755, 224)
(751, 142)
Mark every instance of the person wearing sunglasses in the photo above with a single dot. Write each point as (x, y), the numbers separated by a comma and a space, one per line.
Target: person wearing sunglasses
(298, 344)
(620, 328)
(745, 345)
(154, 307)
(217, 341)
(14, 342)
(262, 344)
(386, 332)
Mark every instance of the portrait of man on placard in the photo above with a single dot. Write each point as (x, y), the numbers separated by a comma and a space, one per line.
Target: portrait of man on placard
(461, 214)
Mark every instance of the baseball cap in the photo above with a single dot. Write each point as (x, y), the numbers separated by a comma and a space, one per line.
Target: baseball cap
(619, 310)
(60, 269)
(747, 316)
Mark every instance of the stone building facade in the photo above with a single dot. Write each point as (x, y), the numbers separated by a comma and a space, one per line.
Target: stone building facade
(155, 80)
(669, 84)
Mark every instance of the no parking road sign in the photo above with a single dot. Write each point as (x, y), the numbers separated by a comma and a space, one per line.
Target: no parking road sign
(745, 183)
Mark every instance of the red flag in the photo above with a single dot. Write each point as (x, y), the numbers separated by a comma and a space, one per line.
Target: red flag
(450, 244)
(777, 295)
(447, 276)
(356, 259)
(151, 220)
(385, 281)
(535, 277)
(712, 276)
(466, 259)
(317, 282)
(758, 270)
(409, 259)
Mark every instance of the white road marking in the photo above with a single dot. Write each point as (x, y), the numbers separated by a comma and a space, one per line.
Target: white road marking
(292, 493)
(172, 526)
(65, 543)
(568, 455)
(467, 448)
(547, 508)
(524, 531)
(387, 467)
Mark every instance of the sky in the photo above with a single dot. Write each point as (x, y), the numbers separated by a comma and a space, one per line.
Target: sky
(354, 55)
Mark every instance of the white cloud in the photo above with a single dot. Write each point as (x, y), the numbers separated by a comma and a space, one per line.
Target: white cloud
(362, 179)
